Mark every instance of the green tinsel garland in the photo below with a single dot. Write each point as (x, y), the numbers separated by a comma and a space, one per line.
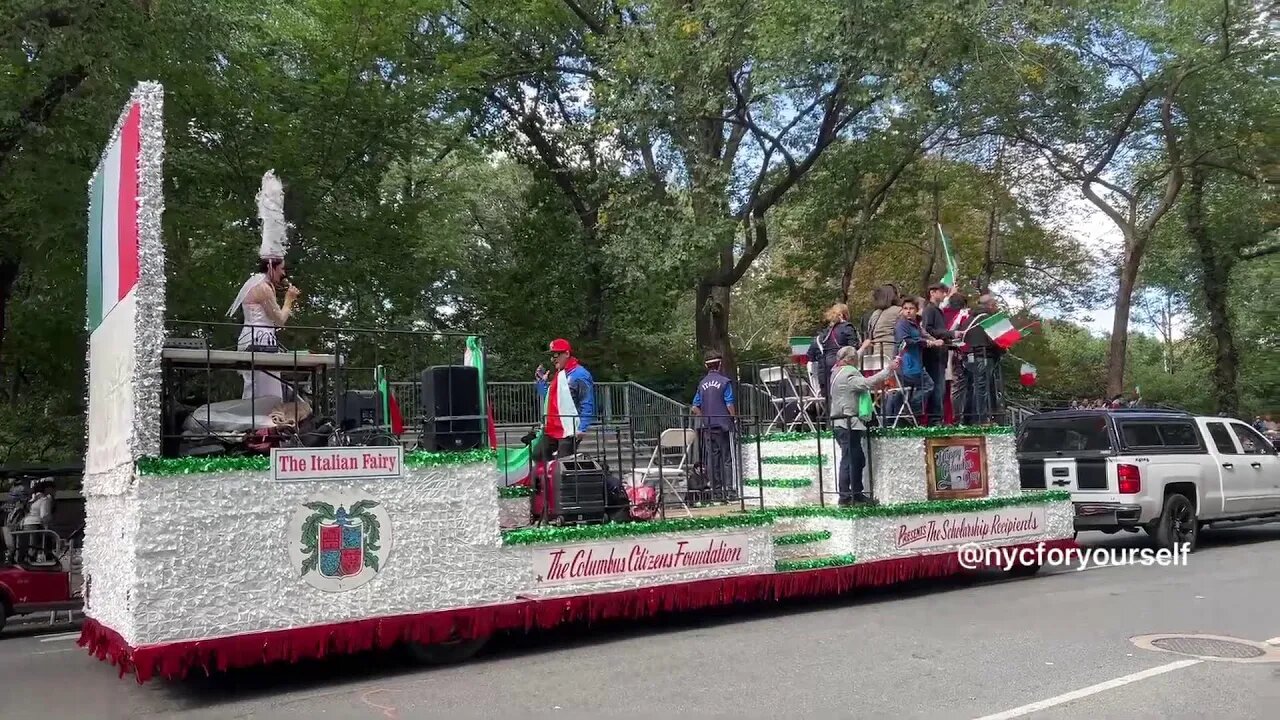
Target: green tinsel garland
(786, 437)
(927, 507)
(942, 431)
(583, 533)
(814, 563)
(262, 463)
(778, 482)
(900, 432)
(515, 491)
(798, 460)
(802, 538)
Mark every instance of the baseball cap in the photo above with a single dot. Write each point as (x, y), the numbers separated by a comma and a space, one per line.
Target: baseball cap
(711, 356)
(560, 345)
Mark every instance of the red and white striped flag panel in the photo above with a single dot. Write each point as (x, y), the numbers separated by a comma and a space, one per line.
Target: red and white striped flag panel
(113, 222)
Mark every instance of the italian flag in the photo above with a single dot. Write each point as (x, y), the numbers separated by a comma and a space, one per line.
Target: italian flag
(561, 411)
(800, 349)
(474, 357)
(949, 257)
(1001, 330)
(1027, 376)
(113, 222)
(515, 466)
(390, 408)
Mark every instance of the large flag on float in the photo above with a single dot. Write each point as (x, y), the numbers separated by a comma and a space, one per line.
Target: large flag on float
(474, 357)
(389, 405)
(113, 222)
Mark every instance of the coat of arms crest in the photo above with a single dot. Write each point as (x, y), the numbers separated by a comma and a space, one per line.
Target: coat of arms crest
(342, 542)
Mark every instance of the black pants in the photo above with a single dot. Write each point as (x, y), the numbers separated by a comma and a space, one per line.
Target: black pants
(936, 366)
(980, 372)
(716, 457)
(546, 449)
(852, 463)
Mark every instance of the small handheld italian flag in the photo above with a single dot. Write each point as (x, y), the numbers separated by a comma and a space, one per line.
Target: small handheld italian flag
(800, 349)
(949, 257)
(1028, 375)
(1001, 330)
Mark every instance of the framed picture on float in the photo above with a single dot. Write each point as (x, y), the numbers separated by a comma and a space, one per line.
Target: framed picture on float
(957, 467)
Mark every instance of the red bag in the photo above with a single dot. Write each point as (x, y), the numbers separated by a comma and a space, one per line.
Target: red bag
(644, 502)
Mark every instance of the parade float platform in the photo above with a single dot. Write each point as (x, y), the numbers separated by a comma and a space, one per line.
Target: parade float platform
(221, 563)
(200, 564)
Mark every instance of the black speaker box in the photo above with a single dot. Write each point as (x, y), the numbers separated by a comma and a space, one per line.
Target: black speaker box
(451, 418)
(581, 491)
(360, 408)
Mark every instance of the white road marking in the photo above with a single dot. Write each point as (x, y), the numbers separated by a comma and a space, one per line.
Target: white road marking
(55, 652)
(60, 637)
(1091, 690)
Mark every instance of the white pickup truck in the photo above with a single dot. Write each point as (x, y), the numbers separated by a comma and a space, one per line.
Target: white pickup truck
(1166, 472)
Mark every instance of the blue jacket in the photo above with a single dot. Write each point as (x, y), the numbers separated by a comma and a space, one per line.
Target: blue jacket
(714, 398)
(909, 333)
(582, 388)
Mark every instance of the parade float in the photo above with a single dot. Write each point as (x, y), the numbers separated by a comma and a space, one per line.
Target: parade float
(210, 562)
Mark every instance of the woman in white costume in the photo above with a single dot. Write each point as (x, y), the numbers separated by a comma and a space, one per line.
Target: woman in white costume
(263, 315)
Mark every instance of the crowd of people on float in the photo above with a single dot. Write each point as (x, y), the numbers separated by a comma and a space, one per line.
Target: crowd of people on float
(936, 339)
(906, 350)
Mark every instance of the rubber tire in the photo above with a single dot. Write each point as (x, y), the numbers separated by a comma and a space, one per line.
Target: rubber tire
(1024, 570)
(446, 653)
(1164, 535)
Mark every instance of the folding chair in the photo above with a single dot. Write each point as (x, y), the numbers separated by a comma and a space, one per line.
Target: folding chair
(813, 404)
(668, 464)
(785, 397)
(904, 409)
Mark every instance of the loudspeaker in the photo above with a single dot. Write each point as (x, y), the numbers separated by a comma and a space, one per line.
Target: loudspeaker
(451, 418)
(359, 408)
(580, 490)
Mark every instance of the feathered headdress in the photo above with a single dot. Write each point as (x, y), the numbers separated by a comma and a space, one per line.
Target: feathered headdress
(275, 238)
(275, 235)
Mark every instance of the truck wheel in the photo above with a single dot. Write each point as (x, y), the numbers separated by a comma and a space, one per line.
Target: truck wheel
(1177, 524)
(446, 653)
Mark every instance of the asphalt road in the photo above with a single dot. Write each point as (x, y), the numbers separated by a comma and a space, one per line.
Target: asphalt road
(1055, 646)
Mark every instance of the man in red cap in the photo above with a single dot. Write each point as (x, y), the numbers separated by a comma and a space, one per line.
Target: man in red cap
(569, 402)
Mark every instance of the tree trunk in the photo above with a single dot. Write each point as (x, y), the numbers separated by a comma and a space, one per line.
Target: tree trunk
(8, 278)
(711, 321)
(1120, 327)
(1216, 270)
(989, 250)
(851, 261)
(934, 229)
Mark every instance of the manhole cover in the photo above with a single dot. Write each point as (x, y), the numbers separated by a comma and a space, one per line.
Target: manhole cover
(1208, 647)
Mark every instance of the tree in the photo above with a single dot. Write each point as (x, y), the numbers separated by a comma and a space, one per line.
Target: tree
(716, 110)
(1096, 96)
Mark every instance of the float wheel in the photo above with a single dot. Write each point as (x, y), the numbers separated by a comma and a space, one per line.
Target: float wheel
(446, 653)
(1024, 570)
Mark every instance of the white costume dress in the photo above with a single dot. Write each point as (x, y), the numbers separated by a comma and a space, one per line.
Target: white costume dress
(262, 319)
(259, 331)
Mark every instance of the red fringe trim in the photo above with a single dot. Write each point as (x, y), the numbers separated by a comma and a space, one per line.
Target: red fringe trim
(178, 659)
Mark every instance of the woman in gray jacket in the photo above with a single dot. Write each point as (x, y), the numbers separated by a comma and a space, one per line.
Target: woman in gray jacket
(847, 387)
